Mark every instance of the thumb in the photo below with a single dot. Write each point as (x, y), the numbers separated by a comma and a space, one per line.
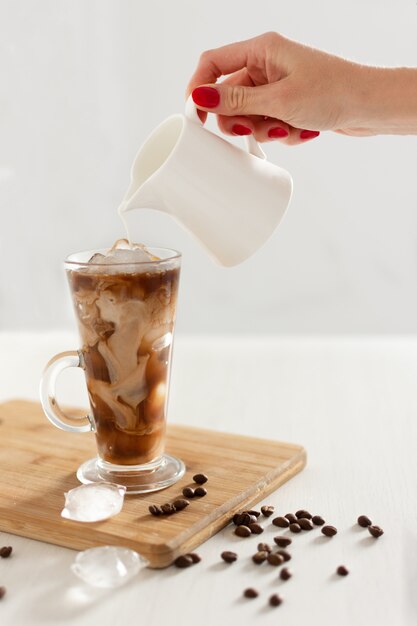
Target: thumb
(226, 99)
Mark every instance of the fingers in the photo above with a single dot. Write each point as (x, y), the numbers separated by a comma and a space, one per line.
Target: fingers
(219, 62)
(226, 99)
(264, 130)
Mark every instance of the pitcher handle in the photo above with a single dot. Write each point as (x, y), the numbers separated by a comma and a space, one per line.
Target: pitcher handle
(252, 146)
(49, 402)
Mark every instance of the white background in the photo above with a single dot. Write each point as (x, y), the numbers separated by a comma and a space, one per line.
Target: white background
(84, 82)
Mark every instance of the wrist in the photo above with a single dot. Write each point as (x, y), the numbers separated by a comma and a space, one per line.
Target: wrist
(384, 100)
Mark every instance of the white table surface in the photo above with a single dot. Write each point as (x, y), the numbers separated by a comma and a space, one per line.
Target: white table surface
(351, 402)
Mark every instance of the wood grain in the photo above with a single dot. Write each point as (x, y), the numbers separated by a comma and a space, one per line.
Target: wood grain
(38, 464)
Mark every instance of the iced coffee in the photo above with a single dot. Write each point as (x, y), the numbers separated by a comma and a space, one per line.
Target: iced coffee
(125, 302)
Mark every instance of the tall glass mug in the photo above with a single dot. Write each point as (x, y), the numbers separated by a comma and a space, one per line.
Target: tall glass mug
(125, 314)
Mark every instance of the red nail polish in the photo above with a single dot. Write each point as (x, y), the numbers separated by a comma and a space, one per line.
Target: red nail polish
(206, 97)
(274, 133)
(309, 134)
(239, 129)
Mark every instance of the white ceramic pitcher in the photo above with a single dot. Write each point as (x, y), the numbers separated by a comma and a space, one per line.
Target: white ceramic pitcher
(230, 199)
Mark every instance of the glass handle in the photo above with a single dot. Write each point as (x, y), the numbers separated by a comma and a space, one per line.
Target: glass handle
(47, 393)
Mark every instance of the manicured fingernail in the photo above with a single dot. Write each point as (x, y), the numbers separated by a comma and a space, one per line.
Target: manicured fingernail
(274, 133)
(239, 129)
(309, 134)
(206, 97)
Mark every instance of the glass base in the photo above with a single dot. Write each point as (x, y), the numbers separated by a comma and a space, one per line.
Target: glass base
(154, 476)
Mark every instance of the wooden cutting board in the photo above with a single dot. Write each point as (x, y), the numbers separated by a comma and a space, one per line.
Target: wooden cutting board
(38, 464)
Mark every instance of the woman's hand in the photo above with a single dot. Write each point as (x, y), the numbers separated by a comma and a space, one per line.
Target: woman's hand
(279, 89)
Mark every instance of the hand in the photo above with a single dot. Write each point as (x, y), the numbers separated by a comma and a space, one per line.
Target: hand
(279, 89)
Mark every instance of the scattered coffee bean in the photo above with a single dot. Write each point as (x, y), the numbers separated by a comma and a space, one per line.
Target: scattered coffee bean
(317, 520)
(342, 570)
(275, 600)
(275, 559)
(184, 560)
(364, 521)
(229, 557)
(253, 512)
(267, 510)
(302, 513)
(250, 593)
(235, 519)
(200, 492)
(243, 531)
(256, 529)
(291, 518)
(196, 558)
(200, 479)
(188, 492)
(260, 557)
(305, 523)
(155, 510)
(264, 546)
(2, 592)
(245, 519)
(180, 504)
(283, 542)
(295, 528)
(5, 552)
(375, 531)
(168, 508)
(329, 531)
(285, 573)
(285, 555)
(282, 522)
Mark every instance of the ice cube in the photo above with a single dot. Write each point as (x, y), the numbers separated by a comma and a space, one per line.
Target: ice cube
(123, 253)
(107, 566)
(93, 502)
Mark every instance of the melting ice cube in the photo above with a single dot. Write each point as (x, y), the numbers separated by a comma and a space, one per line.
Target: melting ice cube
(93, 502)
(107, 566)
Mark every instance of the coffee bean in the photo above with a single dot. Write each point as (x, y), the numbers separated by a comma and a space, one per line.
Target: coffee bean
(291, 518)
(229, 557)
(275, 559)
(196, 558)
(302, 513)
(168, 508)
(256, 529)
(295, 528)
(267, 510)
(200, 492)
(342, 570)
(180, 504)
(188, 492)
(282, 522)
(5, 552)
(243, 531)
(2, 592)
(200, 479)
(285, 573)
(275, 600)
(235, 519)
(264, 546)
(364, 521)
(245, 519)
(154, 510)
(285, 555)
(183, 561)
(329, 531)
(260, 557)
(283, 542)
(317, 520)
(375, 531)
(250, 593)
(305, 523)
(253, 512)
